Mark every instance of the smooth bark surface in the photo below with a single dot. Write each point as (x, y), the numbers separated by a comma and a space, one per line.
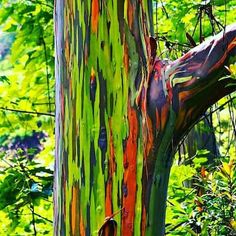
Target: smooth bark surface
(121, 113)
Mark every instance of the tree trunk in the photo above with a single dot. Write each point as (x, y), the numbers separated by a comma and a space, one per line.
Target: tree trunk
(121, 113)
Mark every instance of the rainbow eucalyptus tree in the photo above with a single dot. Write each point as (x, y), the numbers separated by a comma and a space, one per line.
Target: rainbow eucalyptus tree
(121, 112)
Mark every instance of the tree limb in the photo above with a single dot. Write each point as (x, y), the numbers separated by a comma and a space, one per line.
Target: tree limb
(27, 112)
(194, 79)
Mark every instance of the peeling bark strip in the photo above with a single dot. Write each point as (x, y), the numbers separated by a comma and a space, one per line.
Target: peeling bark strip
(121, 112)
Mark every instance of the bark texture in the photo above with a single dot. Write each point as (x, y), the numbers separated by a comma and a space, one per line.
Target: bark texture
(120, 114)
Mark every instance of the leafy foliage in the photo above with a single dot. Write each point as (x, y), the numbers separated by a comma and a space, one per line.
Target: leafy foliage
(204, 201)
(26, 117)
(25, 189)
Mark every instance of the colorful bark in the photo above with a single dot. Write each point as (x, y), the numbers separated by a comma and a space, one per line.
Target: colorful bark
(129, 184)
(97, 150)
(120, 114)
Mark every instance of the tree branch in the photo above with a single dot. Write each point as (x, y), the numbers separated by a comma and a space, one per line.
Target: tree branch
(33, 218)
(194, 79)
(42, 3)
(44, 218)
(27, 112)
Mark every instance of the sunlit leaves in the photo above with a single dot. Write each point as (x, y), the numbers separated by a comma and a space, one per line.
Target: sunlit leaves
(188, 17)
(24, 185)
(205, 204)
(26, 75)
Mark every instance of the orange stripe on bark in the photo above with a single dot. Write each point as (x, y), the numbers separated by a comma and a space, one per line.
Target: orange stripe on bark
(95, 15)
(74, 208)
(129, 181)
(184, 95)
(232, 45)
(81, 226)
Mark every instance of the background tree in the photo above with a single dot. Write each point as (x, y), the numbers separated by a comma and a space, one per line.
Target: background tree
(121, 113)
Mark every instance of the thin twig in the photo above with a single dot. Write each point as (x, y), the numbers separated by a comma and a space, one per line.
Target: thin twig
(164, 10)
(41, 3)
(33, 218)
(163, 38)
(175, 227)
(41, 103)
(27, 112)
(44, 218)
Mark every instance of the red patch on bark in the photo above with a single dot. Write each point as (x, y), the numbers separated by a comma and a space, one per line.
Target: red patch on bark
(169, 90)
(109, 197)
(129, 180)
(95, 15)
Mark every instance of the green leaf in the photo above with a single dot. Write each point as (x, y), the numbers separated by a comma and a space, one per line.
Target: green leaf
(3, 78)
